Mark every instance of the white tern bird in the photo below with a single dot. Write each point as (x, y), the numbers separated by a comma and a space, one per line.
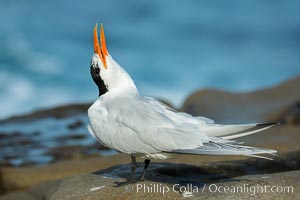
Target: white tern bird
(139, 126)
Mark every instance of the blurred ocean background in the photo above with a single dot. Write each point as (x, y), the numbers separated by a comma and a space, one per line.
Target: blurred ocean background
(169, 48)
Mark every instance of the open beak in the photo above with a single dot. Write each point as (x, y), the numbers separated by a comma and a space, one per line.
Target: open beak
(100, 50)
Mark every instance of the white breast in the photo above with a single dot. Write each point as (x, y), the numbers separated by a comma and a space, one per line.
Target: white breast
(108, 129)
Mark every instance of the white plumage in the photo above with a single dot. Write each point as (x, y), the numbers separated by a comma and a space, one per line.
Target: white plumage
(133, 124)
(123, 120)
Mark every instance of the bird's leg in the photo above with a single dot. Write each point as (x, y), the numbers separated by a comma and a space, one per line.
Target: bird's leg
(147, 162)
(133, 168)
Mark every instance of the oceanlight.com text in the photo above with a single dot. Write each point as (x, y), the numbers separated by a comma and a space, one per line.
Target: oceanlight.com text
(212, 188)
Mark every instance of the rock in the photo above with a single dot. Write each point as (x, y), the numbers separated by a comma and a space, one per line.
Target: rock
(12, 134)
(75, 151)
(166, 180)
(76, 124)
(99, 186)
(257, 106)
(97, 146)
(15, 146)
(70, 137)
(285, 185)
(282, 171)
(91, 187)
(289, 115)
(58, 112)
(17, 196)
(39, 192)
(67, 152)
(25, 177)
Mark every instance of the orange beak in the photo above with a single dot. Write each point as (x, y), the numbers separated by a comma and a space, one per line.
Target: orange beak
(101, 51)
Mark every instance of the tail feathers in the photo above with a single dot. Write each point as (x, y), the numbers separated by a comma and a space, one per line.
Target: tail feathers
(255, 129)
(215, 148)
(263, 157)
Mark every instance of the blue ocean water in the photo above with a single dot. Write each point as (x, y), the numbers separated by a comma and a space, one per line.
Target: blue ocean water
(169, 48)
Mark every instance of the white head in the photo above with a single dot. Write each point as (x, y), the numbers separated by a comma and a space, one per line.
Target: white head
(106, 72)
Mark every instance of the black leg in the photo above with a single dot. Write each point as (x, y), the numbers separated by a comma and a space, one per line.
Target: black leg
(147, 162)
(133, 168)
(130, 178)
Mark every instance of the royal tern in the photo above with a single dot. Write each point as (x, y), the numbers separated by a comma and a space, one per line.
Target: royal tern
(139, 126)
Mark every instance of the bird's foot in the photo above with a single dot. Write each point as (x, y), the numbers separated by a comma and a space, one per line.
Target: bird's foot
(131, 180)
(127, 182)
(120, 183)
